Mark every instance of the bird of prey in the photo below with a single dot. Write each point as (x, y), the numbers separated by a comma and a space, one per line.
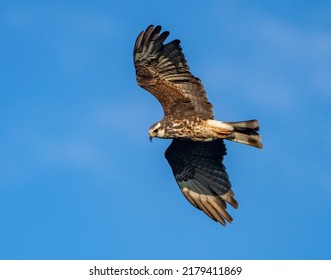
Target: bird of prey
(197, 149)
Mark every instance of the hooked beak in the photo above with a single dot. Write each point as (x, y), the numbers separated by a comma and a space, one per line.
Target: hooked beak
(150, 138)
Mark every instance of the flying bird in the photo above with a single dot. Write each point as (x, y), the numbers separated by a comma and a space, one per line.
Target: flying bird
(197, 149)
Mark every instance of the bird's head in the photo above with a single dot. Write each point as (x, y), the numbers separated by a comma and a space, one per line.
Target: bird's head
(156, 130)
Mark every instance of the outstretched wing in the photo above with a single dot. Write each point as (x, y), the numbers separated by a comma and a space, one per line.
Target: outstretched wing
(201, 176)
(162, 70)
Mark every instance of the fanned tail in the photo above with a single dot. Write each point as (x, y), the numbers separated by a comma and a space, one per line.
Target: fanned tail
(245, 132)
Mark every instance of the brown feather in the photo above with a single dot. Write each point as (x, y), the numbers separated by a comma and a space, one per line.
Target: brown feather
(200, 205)
(212, 206)
(186, 193)
(162, 70)
(220, 206)
(229, 198)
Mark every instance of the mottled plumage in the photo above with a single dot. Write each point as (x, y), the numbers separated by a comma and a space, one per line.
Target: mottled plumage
(162, 70)
(201, 176)
(196, 153)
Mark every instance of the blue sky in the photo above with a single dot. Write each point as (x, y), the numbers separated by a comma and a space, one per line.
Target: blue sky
(79, 178)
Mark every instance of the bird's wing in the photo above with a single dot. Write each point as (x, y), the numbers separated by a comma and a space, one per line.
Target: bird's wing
(162, 70)
(201, 176)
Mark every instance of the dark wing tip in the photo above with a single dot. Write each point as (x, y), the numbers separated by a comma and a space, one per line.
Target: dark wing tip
(176, 42)
(138, 42)
(140, 39)
(147, 35)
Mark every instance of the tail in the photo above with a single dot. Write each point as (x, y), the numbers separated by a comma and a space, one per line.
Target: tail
(245, 132)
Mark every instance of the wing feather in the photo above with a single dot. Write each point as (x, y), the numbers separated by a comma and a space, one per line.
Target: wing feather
(202, 177)
(162, 70)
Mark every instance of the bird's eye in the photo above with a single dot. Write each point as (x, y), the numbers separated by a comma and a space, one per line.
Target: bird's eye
(156, 130)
